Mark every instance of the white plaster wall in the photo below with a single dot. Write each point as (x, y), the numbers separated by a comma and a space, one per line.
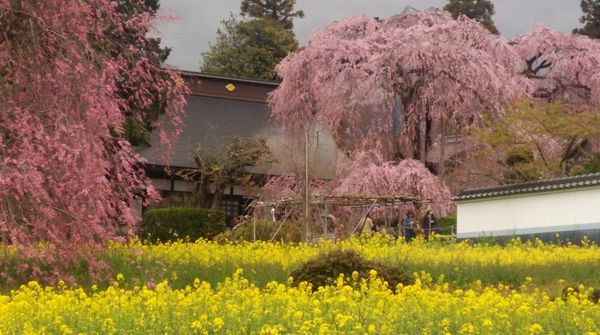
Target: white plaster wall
(528, 213)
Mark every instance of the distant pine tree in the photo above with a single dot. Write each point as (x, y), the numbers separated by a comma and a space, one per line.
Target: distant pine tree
(478, 10)
(139, 122)
(280, 11)
(590, 19)
(248, 49)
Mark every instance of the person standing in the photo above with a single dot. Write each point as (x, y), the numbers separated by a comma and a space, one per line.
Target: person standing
(379, 226)
(408, 226)
(430, 223)
(367, 226)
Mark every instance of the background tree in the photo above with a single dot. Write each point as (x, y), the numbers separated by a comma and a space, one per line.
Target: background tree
(394, 178)
(533, 141)
(142, 115)
(380, 98)
(590, 19)
(67, 174)
(358, 78)
(280, 11)
(478, 10)
(366, 176)
(225, 167)
(248, 48)
(590, 165)
(561, 67)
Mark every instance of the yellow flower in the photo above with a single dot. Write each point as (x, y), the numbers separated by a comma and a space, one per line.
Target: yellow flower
(109, 326)
(278, 308)
(341, 320)
(270, 330)
(535, 328)
(218, 323)
(198, 327)
(467, 328)
(65, 330)
(324, 329)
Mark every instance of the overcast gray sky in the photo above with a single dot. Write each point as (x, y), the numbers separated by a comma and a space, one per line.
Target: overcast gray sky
(199, 19)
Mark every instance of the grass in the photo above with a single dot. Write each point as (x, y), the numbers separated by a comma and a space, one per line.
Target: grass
(548, 266)
(460, 264)
(211, 288)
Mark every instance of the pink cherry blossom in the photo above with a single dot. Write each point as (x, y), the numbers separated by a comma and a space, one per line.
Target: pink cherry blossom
(67, 177)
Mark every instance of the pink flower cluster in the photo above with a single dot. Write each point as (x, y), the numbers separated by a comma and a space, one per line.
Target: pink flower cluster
(67, 177)
(393, 87)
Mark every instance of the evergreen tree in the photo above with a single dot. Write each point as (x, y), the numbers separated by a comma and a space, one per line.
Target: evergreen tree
(590, 19)
(478, 10)
(248, 48)
(281, 11)
(140, 120)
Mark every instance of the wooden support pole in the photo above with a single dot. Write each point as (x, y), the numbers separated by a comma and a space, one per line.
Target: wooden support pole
(306, 187)
(364, 216)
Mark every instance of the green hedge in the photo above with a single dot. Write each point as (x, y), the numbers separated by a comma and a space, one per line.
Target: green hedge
(290, 231)
(168, 224)
(447, 224)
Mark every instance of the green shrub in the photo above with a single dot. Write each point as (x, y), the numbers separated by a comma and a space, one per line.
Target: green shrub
(326, 268)
(290, 231)
(447, 225)
(590, 164)
(169, 224)
(593, 294)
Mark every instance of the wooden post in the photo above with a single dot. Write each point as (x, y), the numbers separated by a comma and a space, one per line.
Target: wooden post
(254, 223)
(364, 216)
(306, 187)
(442, 163)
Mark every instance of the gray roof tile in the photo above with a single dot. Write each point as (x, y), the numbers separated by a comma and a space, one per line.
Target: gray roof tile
(215, 121)
(588, 180)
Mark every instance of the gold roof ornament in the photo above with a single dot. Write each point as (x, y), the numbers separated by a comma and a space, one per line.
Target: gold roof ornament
(230, 87)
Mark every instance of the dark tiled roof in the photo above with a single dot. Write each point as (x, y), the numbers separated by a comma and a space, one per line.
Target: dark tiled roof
(546, 185)
(200, 75)
(215, 121)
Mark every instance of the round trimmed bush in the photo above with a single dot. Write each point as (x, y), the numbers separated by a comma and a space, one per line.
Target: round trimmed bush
(326, 268)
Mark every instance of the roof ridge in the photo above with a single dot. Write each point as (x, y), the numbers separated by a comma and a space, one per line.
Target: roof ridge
(211, 76)
(532, 182)
(566, 182)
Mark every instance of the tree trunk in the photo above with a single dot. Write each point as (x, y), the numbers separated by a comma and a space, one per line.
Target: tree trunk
(203, 191)
(442, 163)
(424, 139)
(423, 146)
(422, 151)
(216, 203)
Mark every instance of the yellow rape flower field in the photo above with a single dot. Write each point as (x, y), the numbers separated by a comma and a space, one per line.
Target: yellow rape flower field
(211, 288)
